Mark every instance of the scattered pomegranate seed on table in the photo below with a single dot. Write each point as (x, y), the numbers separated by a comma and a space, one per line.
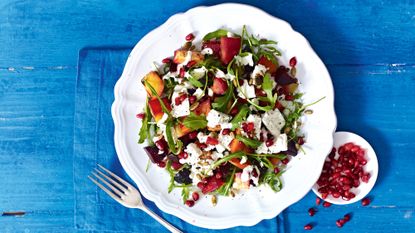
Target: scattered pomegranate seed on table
(346, 217)
(140, 115)
(339, 224)
(308, 227)
(326, 204)
(365, 201)
(166, 60)
(318, 201)
(311, 211)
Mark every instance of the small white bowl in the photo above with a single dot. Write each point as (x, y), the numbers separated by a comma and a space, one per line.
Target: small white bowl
(372, 167)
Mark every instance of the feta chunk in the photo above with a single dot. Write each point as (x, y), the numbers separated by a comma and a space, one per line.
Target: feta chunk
(246, 173)
(216, 118)
(225, 140)
(199, 72)
(207, 51)
(199, 93)
(245, 60)
(246, 91)
(274, 121)
(259, 70)
(257, 124)
(219, 74)
(193, 152)
(183, 109)
(243, 159)
(210, 92)
(280, 144)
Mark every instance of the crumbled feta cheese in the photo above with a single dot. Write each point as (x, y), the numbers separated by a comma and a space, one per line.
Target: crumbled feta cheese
(207, 51)
(216, 118)
(199, 72)
(246, 91)
(280, 144)
(199, 93)
(182, 88)
(183, 109)
(259, 70)
(229, 34)
(226, 125)
(246, 173)
(220, 148)
(216, 155)
(274, 121)
(186, 60)
(254, 179)
(193, 152)
(243, 159)
(225, 140)
(161, 123)
(219, 74)
(210, 92)
(202, 137)
(257, 124)
(245, 60)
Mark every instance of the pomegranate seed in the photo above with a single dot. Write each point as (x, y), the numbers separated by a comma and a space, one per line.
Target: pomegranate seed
(190, 203)
(289, 97)
(234, 111)
(269, 142)
(300, 141)
(176, 166)
(226, 131)
(161, 164)
(293, 61)
(318, 201)
(200, 185)
(346, 217)
(285, 161)
(166, 60)
(202, 146)
(218, 175)
(193, 135)
(183, 155)
(190, 37)
(248, 127)
(254, 173)
(366, 177)
(308, 227)
(339, 224)
(365, 201)
(363, 161)
(336, 194)
(195, 196)
(324, 196)
(212, 141)
(161, 144)
(311, 211)
(140, 115)
(276, 170)
(192, 99)
(326, 204)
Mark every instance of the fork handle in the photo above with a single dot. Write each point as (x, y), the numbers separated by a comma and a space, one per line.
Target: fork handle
(163, 222)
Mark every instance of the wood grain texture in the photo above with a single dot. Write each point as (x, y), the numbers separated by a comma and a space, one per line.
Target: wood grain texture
(368, 46)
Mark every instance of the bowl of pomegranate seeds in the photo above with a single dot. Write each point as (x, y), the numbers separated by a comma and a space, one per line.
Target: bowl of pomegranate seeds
(349, 172)
(223, 116)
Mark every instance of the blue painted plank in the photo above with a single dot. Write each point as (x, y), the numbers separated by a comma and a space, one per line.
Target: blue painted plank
(342, 32)
(36, 130)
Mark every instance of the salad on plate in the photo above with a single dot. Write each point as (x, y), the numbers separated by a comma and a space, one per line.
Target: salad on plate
(223, 115)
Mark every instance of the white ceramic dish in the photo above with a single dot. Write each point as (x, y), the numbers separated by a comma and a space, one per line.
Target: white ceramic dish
(256, 204)
(372, 167)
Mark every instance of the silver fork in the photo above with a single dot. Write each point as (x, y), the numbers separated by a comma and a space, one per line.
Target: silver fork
(125, 194)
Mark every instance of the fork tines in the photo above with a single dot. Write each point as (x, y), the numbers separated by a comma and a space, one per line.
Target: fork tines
(106, 178)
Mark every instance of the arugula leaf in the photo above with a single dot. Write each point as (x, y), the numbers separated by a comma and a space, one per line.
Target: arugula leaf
(273, 180)
(175, 149)
(215, 34)
(171, 173)
(238, 154)
(221, 103)
(195, 122)
(194, 81)
(239, 116)
(185, 194)
(249, 142)
(144, 130)
(267, 87)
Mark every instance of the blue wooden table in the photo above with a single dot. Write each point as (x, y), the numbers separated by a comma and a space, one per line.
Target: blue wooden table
(368, 46)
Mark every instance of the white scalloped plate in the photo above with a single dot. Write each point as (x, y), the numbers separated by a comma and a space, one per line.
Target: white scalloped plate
(254, 205)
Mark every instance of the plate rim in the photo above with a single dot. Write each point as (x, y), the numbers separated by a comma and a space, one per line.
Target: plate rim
(117, 118)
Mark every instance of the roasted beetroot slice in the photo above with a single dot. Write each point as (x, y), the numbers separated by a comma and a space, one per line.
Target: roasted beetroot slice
(282, 77)
(212, 184)
(291, 149)
(153, 154)
(229, 47)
